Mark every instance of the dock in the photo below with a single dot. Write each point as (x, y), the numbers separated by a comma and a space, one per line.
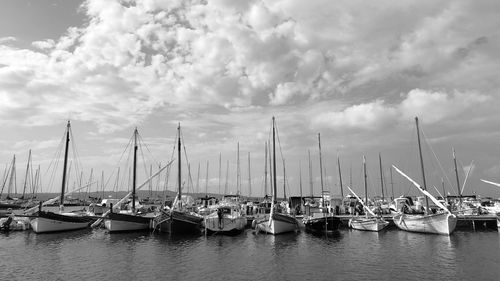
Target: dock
(473, 222)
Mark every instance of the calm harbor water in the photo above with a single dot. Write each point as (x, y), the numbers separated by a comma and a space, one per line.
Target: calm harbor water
(346, 255)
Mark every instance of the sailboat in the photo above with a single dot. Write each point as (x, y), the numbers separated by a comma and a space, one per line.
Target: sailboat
(370, 223)
(323, 220)
(129, 220)
(443, 222)
(178, 219)
(45, 221)
(227, 219)
(277, 222)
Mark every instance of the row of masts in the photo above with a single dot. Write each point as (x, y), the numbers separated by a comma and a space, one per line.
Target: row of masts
(238, 177)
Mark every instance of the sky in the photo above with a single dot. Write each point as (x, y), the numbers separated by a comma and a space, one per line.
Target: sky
(356, 72)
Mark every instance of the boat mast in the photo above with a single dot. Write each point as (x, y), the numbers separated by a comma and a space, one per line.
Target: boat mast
(456, 174)
(422, 166)
(265, 172)
(274, 165)
(364, 178)
(179, 163)
(381, 176)
(220, 167)
(442, 186)
(392, 185)
(300, 180)
(238, 180)
(340, 177)
(198, 179)
(134, 171)
(310, 174)
(65, 165)
(249, 178)
(26, 175)
(227, 176)
(206, 182)
(284, 180)
(321, 171)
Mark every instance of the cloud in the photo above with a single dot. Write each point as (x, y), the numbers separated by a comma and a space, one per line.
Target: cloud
(6, 40)
(132, 59)
(431, 106)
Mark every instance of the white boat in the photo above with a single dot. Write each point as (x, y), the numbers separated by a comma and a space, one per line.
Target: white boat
(44, 221)
(368, 223)
(53, 222)
(227, 219)
(442, 222)
(277, 222)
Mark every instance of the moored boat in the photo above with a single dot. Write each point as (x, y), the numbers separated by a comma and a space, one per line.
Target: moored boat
(441, 222)
(369, 223)
(278, 222)
(178, 219)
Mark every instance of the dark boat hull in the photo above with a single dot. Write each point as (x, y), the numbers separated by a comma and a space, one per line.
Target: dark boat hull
(116, 222)
(322, 224)
(177, 222)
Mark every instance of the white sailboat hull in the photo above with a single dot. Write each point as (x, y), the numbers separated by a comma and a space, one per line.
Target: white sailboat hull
(277, 224)
(43, 225)
(368, 224)
(443, 223)
(227, 224)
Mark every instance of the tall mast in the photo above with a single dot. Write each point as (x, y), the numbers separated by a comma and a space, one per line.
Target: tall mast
(340, 177)
(310, 174)
(456, 174)
(270, 170)
(198, 179)
(220, 167)
(227, 176)
(392, 185)
(179, 163)
(442, 186)
(65, 165)
(284, 180)
(265, 171)
(300, 180)
(275, 195)
(238, 180)
(249, 178)
(134, 171)
(381, 176)
(364, 178)
(26, 175)
(321, 170)
(422, 166)
(206, 182)
(151, 181)
(12, 178)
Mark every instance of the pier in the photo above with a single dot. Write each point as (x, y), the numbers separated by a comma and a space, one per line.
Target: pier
(473, 222)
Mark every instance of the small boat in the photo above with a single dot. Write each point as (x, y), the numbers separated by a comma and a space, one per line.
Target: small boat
(322, 221)
(45, 221)
(178, 219)
(227, 219)
(442, 222)
(278, 222)
(373, 223)
(129, 220)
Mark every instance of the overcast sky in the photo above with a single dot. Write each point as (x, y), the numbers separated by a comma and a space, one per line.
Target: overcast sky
(358, 72)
